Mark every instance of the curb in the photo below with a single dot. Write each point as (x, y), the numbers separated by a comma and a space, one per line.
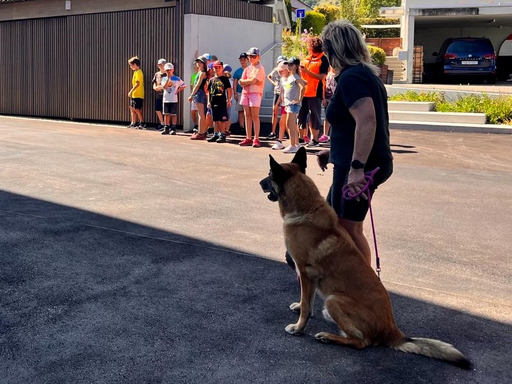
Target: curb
(447, 127)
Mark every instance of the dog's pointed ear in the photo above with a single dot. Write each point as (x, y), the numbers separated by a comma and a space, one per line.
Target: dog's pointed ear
(278, 173)
(300, 159)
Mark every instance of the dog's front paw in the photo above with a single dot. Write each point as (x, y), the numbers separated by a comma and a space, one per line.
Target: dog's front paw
(295, 307)
(293, 329)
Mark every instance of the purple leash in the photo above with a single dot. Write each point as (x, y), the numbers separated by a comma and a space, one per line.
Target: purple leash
(366, 189)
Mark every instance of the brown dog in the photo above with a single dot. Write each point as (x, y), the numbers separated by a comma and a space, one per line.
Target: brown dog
(328, 262)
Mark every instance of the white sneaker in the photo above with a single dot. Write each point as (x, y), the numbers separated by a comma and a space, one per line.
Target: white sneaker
(291, 149)
(278, 145)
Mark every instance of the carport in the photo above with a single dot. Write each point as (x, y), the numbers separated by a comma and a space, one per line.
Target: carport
(429, 24)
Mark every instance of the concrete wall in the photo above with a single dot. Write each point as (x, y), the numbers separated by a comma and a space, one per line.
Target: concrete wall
(226, 38)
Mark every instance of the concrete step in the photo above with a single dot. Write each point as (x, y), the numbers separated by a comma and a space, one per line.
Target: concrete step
(411, 106)
(451, 127)
(438, 117)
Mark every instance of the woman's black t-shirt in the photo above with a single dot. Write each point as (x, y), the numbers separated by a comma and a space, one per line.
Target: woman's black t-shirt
(354, 83)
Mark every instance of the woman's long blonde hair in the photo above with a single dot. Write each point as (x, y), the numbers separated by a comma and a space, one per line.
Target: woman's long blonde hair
(343, 45)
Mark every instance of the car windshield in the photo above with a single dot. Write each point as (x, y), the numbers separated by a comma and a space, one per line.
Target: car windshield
(465, 47)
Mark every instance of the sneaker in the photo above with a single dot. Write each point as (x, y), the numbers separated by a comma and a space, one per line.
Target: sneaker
(166, 131)
(324, 139)
(172, 132)
(291, 149)
(301, 141)
(160, 127)
(221, 139)
(132, 126)
(213, 138)
(245, 142)
(195, 130)
(198, 136)
(142, 126)
(278, 145)
(306, 139)
(256, 143)
(313, 143)
(271, 136)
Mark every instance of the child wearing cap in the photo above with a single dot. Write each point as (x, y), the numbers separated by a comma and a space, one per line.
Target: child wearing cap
(198, 94)
(244, 62)
(219, 100)
(157, 87)
(253, 83)
(172, 85)
(275, 78)
(292, 92)
(136, 94)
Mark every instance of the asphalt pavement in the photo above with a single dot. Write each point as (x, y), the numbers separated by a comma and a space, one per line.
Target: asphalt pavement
(130, 257)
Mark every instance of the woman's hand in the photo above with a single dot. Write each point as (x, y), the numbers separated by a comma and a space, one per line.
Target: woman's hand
(322, 158)
(356, 182)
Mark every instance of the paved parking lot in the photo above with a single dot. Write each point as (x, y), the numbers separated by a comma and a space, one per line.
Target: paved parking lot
(128, 257)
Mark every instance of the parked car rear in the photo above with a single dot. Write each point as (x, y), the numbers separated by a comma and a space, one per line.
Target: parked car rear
(471, 57)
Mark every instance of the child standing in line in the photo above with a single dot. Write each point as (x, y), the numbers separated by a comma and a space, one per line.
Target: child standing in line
(275, 78)
(329, 88)
(293, 88)
(136, 94)
(172, 85)
(220, 94)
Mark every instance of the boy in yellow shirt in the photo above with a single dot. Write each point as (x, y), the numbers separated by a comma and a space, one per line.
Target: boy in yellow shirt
(136, 94)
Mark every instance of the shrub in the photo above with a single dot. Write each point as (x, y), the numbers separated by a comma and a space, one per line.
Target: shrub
(378, 55)
(293, 45)
(330, 11)
(430, 97)
(314, 21)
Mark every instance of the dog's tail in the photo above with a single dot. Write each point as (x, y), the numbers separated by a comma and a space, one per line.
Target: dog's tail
(433, 348)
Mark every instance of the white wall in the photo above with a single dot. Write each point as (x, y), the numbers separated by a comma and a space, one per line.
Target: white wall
(226, 38)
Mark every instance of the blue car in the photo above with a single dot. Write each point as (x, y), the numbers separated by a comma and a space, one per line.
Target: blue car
(469, 57)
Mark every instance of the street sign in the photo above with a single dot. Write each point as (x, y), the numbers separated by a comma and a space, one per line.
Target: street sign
(301, 13)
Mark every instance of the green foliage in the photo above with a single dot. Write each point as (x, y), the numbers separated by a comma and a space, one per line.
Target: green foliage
(329, 10)
(498, 110)
(430, 97)
(378, 55)
(314, 21)
(293, 45)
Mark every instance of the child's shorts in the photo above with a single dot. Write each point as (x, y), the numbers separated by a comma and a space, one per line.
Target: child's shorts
(292, 108)
(251, 99)
(170, 108)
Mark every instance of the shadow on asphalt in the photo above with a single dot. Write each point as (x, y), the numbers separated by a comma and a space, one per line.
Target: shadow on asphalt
(87, 298)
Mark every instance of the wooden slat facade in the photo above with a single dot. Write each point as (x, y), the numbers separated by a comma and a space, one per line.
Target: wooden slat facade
(76, 67)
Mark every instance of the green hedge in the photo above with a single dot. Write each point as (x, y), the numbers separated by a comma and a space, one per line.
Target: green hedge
(314, 22)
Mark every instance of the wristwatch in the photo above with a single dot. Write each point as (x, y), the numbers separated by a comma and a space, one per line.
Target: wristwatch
(356, 164)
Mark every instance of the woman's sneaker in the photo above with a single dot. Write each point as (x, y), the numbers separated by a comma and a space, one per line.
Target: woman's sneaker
(291, 149)
(278, 145)
(324, 139)
(271, 136)
(256, 143)
(213, 138)
(245, 143)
